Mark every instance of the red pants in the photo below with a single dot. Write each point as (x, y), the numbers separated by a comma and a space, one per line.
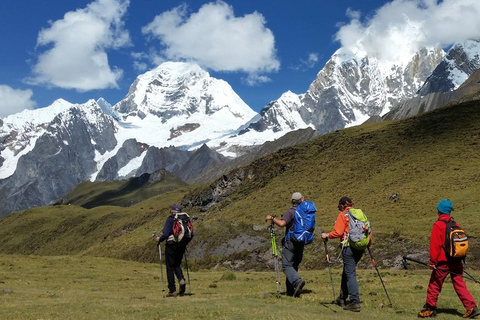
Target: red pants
(438, 277)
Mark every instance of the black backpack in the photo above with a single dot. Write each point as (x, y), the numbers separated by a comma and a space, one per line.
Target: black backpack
(456, 241)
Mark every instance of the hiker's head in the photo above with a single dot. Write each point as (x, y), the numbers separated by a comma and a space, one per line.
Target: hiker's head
(344, 202)
(445, 206)
(297, 198)
(175, 208)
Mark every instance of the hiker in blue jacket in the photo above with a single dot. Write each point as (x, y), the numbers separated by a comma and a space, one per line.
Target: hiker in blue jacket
(174, 252)
(292, 251)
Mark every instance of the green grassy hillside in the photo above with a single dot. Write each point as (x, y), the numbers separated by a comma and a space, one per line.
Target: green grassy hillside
(422, 159)
(124, 192)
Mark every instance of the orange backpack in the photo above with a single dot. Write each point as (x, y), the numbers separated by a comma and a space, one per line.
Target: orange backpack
(456, 241)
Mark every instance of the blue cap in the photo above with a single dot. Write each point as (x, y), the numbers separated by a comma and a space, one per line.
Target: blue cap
(176, 207)
(445, 206)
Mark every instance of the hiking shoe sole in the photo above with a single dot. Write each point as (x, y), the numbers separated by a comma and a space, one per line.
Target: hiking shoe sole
(298, 288)
(427, 314)
(472, 313)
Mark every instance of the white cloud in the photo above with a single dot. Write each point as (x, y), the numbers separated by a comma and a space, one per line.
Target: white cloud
(253, 79)
(308, 63)
(77, 45)
(14, 100)
(215, 39)
(140, 66)
(401, 27)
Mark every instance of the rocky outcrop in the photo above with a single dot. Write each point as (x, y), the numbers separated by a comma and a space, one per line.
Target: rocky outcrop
(469, 90)
(130, 149)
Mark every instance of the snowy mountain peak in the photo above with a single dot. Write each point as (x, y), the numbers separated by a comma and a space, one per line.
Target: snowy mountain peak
(458, 64)
(181, 89)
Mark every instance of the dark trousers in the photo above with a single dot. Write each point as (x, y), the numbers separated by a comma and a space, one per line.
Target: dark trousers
(349, 285)
(173, 258)
(292, 255)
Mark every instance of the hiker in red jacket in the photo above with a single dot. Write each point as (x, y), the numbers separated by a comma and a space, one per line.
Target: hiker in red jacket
(441, 266)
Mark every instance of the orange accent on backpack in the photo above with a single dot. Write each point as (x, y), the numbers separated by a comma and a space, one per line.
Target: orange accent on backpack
(456, 241)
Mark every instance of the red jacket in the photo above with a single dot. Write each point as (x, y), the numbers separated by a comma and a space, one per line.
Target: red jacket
(437, 240)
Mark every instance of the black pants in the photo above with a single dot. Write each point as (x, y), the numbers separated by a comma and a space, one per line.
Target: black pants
(173, 259)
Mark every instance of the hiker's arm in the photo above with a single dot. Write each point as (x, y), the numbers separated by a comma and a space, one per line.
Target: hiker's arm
(278, 222)
(436, 244)
(338, 228)
(167, 230)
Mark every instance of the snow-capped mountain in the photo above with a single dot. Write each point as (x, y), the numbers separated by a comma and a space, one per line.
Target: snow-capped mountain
(348, 90)
(453, 79)
(45, 152)
(179, 118)
(460, 62)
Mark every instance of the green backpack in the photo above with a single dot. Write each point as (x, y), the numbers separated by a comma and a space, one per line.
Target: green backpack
(359, 229)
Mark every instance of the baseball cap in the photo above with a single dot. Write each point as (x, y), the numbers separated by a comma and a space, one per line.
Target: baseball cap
(176, 207)
(297, 196)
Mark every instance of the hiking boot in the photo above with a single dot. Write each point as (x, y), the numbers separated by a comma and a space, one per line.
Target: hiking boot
(472, 313)
(172, 294)
(183, 286)
(339, 302)
(352, 306)
(428, 312)
(298, 288)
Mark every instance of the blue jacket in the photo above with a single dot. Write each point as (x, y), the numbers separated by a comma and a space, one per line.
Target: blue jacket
(167, 229)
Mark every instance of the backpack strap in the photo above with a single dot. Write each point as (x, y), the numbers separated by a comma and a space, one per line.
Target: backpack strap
(447, 240)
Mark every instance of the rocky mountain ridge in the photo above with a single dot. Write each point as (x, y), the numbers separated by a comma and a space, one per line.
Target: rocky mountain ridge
(179, 118)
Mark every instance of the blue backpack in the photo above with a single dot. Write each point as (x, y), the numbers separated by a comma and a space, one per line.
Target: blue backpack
(304, 223)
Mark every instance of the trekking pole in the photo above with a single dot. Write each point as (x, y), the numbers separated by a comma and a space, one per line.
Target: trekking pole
(188, 274)
(154, 235)
(378, 272)
(329, 266)
(470, 277)
(275, 256)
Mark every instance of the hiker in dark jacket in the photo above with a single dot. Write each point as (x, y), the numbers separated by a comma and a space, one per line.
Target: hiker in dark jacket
(292, 251)
(350, 256)
(174, 252)
(441, 266)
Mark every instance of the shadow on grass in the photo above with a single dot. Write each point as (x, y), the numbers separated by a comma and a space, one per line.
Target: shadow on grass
(449, 311)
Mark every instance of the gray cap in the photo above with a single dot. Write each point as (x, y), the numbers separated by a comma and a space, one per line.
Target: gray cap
(297, 196)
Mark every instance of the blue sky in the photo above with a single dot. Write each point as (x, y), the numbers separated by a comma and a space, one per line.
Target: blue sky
(79, 50)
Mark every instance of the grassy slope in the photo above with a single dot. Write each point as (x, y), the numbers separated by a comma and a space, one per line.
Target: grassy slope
(99, 288)
(423, 159)
(121, 193)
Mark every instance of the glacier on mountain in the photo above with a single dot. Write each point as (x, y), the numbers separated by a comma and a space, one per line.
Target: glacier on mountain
(179, 104)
